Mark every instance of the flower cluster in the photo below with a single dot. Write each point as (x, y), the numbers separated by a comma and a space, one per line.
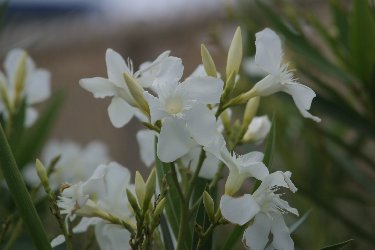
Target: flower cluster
(190, 134)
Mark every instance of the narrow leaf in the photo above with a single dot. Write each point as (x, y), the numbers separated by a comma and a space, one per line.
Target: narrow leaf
(337, 246)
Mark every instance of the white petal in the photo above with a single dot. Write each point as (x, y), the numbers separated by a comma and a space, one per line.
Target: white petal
(302, 97)
(281, 235)
(268, 86)
(171, 70)
(38, 86)
(156, 107)
(12, 61)
(145, 140)
(256, 235)
(112, 237)
(84, 224)
(116, 67)
(209, 167)
(31, 116)
(58, 241)
(251, 68)
(148, 71)
(268, 53)
(239, 210)
(257, 170)
(201, 123)
(120, 112)
(278, 179)
(98, 86)
(206, 90)
(174, 140)
(258, 129)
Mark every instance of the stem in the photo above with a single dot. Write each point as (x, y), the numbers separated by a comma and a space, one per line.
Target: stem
(175, 180)
(202, 156)
(21, 196)
(15, 234)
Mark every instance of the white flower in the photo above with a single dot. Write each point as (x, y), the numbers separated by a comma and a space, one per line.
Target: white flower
(258, 129)
(267, 209)
(269, 58)
(76, 164)
(22, 80)
(251, 68)
(122, 107)
(104, 191)
(182, 107)
(240, 167)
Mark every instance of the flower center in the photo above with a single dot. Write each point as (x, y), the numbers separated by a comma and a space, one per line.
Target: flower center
(173, 105)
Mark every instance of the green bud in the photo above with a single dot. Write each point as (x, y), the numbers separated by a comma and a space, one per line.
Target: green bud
(140, 188)
(229, 85)
(150, 188)
(136, 91)
(160, 207)
(209, 205)
(250, 111)
(42, 174)
(208, 63)
(133, 201)
(235, 53)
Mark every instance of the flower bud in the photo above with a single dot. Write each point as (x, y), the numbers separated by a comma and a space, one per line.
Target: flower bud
(150, 188)
(209, 205)
(20, 78)
(235, 53)
(140, 188)
(250, 111)
(136, 91)
(160, 207)
(258, 129)
(42, 174)
(133, 201)
(208, 63)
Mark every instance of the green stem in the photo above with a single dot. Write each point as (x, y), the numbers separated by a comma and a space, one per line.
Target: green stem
(202, 156)
(20, 195)
(15, 234)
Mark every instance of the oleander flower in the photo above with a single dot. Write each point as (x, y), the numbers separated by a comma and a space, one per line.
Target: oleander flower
(123, 105)
(22, 81)
(182, 108)
(266, 207)
(268, 57)
(241, 167)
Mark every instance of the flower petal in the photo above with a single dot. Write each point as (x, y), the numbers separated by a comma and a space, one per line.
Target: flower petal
(57, 240)
(281, 234)
(256, 235)
(98, 86)
(12, 62)
(120, 112)
(31, 116)
(156, 107)
(302, 97)
(84, 224)
(170, 71)
(268, 55)
(201, 123)
(38, 86)
(174, 140)
(206, 90)
(112, 237)
(145, 140)
(116, 67)
(239, 210)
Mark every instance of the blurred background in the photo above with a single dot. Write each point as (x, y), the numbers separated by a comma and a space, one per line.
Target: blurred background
(330, 43)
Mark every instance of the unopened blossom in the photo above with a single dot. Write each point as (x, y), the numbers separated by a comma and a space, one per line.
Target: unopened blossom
(103, 193)
(241, 167)
(76, 163)
(20, 81)
(266, 207)
(258, 129)
(123, 105)
(269, 57)
(182, 108)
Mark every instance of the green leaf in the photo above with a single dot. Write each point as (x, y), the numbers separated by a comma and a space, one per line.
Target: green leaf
(340, 16)
(21, 195)
(362, 41)
(337, 246)
(173, 206)
(168, 242)
(234, 237)
(36, 136)
(299, 222)
(17, 126)
(270, 144)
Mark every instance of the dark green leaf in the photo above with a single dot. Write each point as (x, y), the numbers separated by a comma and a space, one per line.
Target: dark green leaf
(337, 246)
(270, 144)
(36, 136)
(234, 237)
(362, 41)
(168, 243)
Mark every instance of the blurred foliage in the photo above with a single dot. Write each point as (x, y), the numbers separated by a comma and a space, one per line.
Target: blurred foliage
(333, 165)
